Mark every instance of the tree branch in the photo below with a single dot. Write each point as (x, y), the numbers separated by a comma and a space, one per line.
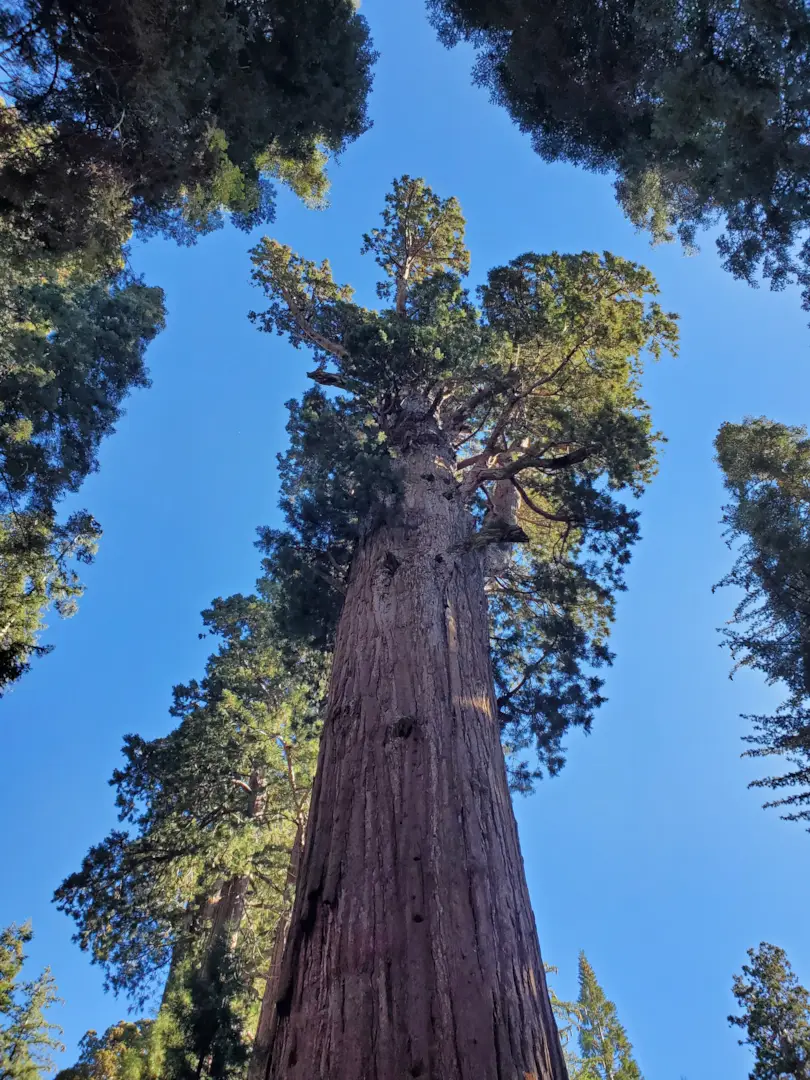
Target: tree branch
(307, 330)
(328, 378)
(532, 505)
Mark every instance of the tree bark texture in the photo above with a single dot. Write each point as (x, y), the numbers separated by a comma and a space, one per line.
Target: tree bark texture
(412, 949)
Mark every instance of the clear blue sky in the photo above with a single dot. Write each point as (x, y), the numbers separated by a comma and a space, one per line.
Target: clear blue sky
(649, 852)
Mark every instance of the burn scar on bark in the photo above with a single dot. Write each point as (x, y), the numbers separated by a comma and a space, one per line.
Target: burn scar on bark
(404, 727)
(391, 563)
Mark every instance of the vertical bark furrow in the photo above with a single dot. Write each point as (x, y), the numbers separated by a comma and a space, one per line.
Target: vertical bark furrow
(412, 950)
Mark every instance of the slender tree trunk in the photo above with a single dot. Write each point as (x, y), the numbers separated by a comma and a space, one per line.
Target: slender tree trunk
(412, 950)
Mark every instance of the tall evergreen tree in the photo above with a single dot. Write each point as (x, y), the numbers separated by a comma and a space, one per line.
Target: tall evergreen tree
(27, 1037)
(766, 468)
(701, 109)
(465, 484)
(197, 884)
(606, 1052)
(775, 1015)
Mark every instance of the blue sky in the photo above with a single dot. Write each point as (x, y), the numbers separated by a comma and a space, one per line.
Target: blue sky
(648, 851)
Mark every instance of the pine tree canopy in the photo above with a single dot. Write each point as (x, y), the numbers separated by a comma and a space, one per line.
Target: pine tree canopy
(27, 1037)
(775, 1015)
(535, 393)
(212, 811)
(766, 469)
(701, 109)
(168, 112)
(70, 352)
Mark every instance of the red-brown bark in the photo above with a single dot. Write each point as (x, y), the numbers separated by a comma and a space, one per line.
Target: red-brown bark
(412, 950)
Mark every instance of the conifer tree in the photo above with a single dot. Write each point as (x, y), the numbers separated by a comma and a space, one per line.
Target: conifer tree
(766, 469)
(700, 110)
(606, 1052)
(149, 115)
(456, 510)
(167, 112)
(121, 1053)
(27, 1037)
(198, 883)
(775, 1015)
(70, 352)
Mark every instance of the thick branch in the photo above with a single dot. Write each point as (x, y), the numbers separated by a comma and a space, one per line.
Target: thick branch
(484, 467)
(308, 332)
(484, 394)
(328, 378)
(532, 505)
(528, 461)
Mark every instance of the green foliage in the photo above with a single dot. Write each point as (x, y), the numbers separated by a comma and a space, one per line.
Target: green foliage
(210, 1013)
(699, 108)
(70, 352)
(37, 572)
(325, 508)
(775, 1015)
(167, 114)
(536, 395)
(213, 809)
(121, 1053)
(421, 233)
(605, 1051)
(27, 1037)
(766, 469)
(144, 114)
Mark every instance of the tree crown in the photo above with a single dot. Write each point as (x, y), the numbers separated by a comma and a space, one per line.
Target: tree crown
(535, 394)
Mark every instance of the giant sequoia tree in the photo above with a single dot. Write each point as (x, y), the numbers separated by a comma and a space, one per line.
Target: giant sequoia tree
(766, 468)
(701, 109)
(454, 512)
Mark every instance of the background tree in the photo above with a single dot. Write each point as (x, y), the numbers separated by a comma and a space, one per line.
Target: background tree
(700, 109)
(169, 113)
(69, 355)
(121, 1053)
(152, 115)
(26, 1035)
(568, 1016)
(197, 884)
(606, 1052)
(775, 1015)
(766, 469)
(464, 483)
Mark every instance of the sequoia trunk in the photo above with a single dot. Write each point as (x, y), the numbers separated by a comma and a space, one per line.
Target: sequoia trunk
(412, 950)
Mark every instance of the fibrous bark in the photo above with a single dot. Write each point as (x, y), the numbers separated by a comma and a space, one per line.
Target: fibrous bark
(412, 950)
